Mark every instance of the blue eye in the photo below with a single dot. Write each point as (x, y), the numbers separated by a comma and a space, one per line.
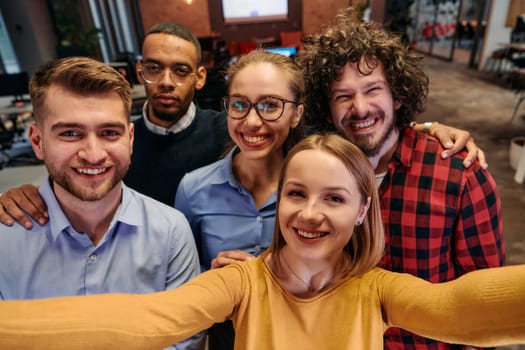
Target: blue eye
(110, 133)
(69, 133)
(269, 105)
(239, 105)
(294, 193)
(336, 199)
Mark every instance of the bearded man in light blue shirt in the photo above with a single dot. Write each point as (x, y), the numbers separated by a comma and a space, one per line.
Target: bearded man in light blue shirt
(101, 235)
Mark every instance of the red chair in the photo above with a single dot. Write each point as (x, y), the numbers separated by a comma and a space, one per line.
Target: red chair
(246, 47)
(292, 39)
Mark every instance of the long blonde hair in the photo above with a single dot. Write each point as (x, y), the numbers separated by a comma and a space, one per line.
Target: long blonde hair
(366, 246)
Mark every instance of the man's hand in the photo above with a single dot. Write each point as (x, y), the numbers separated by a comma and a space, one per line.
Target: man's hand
(230, 256)
(455, 140)
(26, 198)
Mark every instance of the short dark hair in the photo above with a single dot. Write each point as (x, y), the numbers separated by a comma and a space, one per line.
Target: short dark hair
(349, 39)
(178, 30)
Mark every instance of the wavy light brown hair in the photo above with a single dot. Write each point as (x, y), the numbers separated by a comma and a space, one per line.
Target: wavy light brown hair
(350, 40)
(366, 246)
(81, 75)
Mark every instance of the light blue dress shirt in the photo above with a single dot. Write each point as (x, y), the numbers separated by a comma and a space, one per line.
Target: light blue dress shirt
(148, 247)
(222, 213)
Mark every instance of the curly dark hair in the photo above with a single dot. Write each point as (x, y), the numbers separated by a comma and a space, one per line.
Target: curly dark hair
(349, 39)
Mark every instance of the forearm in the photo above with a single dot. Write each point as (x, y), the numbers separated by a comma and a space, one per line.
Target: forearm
(120, 321)
(482, 308)
(106, 321)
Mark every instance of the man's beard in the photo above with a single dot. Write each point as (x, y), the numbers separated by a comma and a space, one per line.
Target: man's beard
(370, 149)
(168, 116)
(89, 194)
(365, 141)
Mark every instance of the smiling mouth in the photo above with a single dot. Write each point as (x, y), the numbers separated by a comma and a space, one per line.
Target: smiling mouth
(311, 235)
(90, 171)
(253, 139)
(359, 124)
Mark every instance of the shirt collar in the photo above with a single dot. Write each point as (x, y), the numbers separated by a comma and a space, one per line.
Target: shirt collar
(405, 148)
(225, 175)
(179, 126)
(128, 212)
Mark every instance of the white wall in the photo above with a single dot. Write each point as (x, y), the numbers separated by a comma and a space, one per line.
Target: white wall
(496, 32)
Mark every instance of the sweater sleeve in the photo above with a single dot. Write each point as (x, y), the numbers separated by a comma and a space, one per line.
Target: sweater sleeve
(122, 321)
(482, 308)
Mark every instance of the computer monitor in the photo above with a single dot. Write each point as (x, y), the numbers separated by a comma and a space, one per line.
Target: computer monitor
(16, 85)
(288, 51)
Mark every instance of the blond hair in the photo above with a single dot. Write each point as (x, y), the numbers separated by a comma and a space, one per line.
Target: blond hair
(366, 246)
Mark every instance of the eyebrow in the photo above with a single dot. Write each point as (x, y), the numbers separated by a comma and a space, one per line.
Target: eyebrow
(176, 64)
(62, 125)
(332, 188)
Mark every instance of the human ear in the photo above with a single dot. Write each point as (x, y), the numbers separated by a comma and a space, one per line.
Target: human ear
(296, 119)
(138, 68)
(364, 210)
(397, 105)
(35, 137)
(201, 77)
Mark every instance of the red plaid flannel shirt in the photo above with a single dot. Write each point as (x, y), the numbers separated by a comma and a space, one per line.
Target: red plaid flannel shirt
(441, 220)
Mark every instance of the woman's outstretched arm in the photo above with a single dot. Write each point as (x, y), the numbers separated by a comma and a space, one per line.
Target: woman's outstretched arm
(121, 321)
(482, 308)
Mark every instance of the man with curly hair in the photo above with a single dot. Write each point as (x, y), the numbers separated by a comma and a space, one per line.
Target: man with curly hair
(442, 219)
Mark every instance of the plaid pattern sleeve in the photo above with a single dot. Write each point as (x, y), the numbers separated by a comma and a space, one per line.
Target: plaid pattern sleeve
(441, 220)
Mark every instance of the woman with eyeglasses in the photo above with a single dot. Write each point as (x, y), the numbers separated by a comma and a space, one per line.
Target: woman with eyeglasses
(230, 204)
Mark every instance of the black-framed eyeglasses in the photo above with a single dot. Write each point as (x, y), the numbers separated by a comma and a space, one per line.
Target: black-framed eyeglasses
(268, 108)
(153, 73)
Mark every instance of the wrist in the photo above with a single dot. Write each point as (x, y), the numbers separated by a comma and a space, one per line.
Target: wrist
(427, 126)
(424, 127)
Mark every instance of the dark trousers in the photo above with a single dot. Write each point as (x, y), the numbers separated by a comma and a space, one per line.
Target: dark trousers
(221, 336)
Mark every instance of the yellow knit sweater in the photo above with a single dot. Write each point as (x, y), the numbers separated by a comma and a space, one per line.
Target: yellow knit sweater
(485, 308)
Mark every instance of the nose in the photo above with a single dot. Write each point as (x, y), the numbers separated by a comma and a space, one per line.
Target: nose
(253, 119)
(311, 213)
(92, 150)
(166, 78)
(359, 106)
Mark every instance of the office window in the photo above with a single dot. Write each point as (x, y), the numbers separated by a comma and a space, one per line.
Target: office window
(121, 26)
(8, 60)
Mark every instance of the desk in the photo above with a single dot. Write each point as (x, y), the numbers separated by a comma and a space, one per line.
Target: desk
(7, 108)
(514, 46)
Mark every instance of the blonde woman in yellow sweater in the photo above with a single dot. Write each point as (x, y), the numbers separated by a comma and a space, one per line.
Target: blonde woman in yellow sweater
(316, 287)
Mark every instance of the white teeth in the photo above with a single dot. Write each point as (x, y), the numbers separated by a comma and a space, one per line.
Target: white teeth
(254, 139)
(363, 124)
(92, 171)
(310, 234)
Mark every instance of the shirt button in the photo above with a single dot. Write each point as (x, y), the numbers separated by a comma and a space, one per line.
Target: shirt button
(93, 257)
(258, 219)
(257, 249)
